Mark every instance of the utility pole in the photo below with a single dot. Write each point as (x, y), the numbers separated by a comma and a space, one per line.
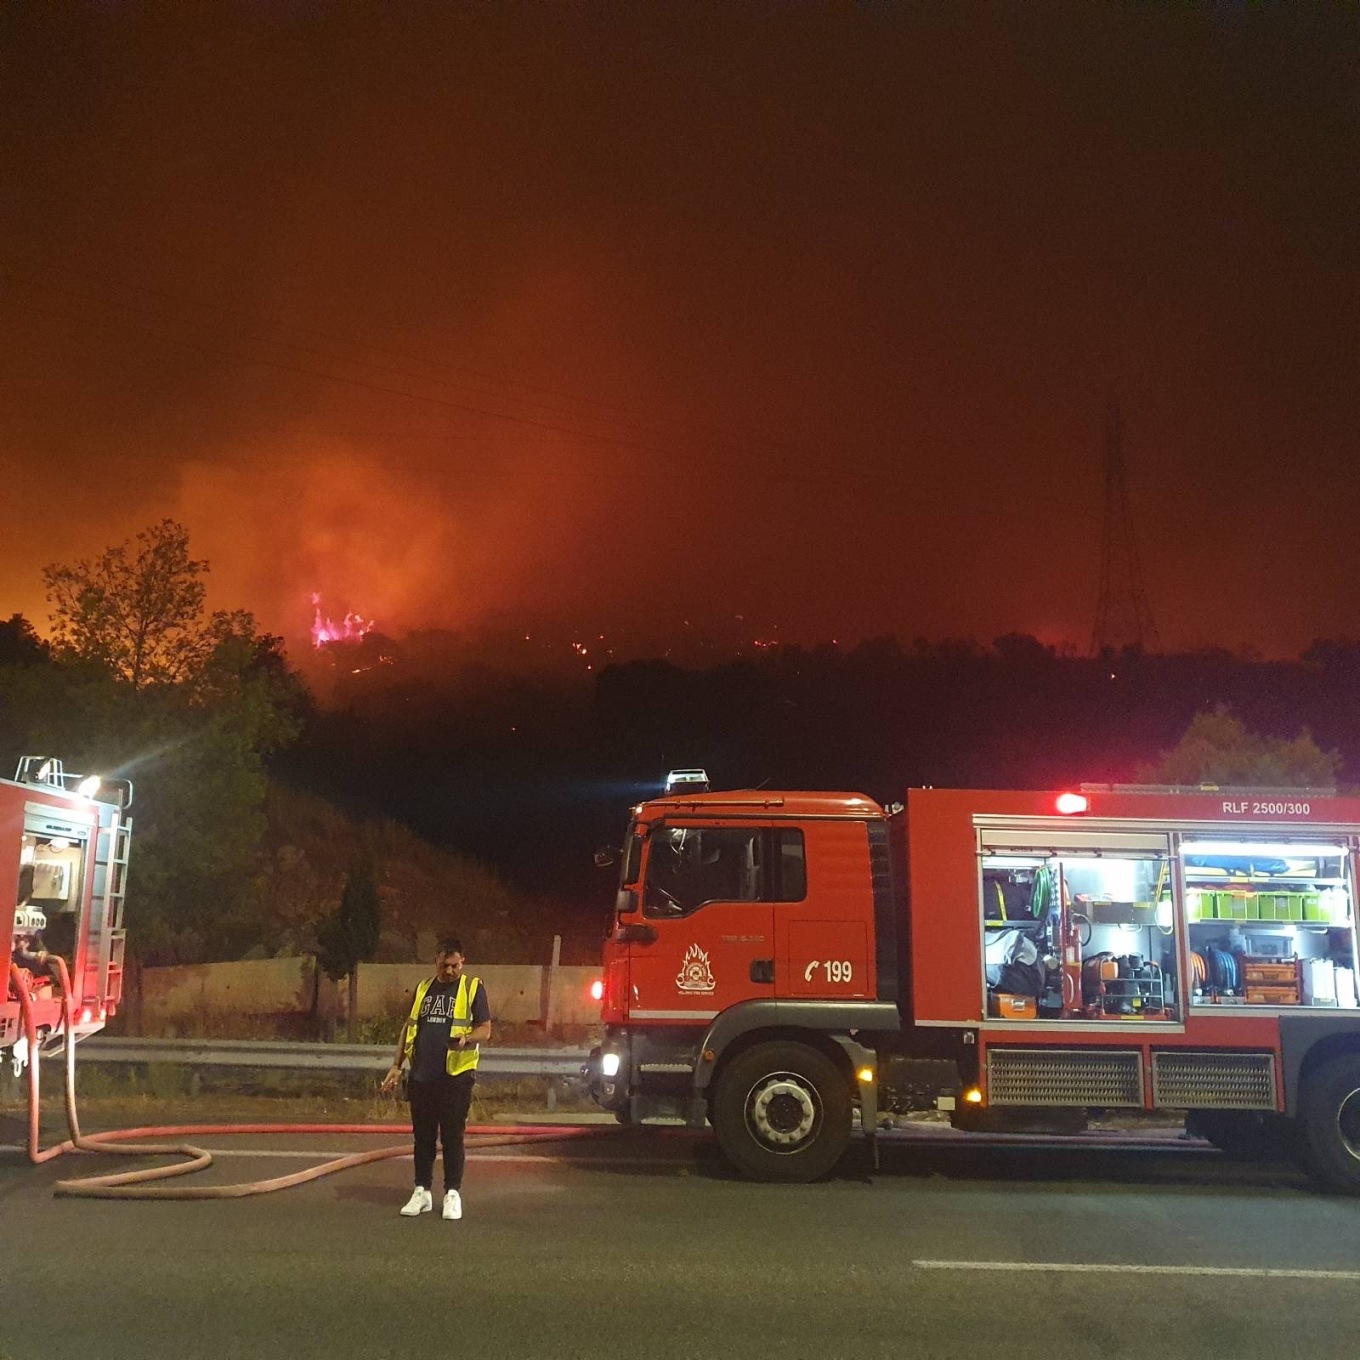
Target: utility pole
(1123, 615)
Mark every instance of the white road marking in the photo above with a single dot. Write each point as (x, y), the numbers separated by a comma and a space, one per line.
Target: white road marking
(1059, 1267)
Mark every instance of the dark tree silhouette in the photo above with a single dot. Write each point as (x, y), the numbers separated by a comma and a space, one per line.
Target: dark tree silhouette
(349, 936)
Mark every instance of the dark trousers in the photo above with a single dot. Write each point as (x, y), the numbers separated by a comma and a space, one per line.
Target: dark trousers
(439, 1110)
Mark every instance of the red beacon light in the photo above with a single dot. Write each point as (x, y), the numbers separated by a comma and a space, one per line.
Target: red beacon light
(597, 990)
(1069, 803)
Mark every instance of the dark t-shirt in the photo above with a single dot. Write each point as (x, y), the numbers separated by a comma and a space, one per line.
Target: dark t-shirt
(429, 1062)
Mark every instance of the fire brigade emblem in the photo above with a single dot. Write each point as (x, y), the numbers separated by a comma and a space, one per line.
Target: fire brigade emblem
(695, 974)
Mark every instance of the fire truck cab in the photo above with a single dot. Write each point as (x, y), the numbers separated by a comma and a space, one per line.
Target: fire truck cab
(63, 875)
(780, 961)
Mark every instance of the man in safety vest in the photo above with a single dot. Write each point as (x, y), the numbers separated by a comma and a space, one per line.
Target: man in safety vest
(449, 1017)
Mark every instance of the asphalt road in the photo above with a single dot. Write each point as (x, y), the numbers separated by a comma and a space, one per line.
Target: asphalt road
(640, 1245)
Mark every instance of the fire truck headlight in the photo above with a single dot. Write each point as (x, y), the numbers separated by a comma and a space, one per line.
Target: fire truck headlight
(609, 1064)
(597, 990)
(865, 1074)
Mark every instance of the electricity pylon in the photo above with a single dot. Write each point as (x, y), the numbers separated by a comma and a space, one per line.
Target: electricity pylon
(1123, 615)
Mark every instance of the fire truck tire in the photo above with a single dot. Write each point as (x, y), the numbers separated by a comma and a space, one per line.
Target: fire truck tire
(782, 1112)
(1329, 1125)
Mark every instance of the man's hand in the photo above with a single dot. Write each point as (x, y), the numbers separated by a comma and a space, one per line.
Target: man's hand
(389, 1082)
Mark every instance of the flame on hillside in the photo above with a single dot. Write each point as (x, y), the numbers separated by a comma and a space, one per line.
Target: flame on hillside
(326, 630)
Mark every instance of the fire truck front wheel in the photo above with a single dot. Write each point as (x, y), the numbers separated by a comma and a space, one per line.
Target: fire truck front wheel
(1329, 1124)
(782, 1112)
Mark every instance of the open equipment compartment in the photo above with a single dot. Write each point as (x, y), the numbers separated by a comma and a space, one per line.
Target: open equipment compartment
(1078, 926)
(1270, 920)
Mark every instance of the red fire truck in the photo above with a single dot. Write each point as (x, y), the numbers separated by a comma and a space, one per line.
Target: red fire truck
(63, 874)
(778, 962)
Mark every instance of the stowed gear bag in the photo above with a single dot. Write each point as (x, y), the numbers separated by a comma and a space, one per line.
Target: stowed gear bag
(1013, 964)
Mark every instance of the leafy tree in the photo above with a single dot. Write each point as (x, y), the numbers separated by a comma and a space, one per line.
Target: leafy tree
(23, 657)
(137, 608)
(200, 807)
(1340, 656)
(144, 685)
(349, 936)
(1218, 749)
(20, 644)
(1021, 650)
(196, 755)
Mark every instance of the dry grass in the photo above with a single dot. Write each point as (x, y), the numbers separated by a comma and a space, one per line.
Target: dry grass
(311, 845)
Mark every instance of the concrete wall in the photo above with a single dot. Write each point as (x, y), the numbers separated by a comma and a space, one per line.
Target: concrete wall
(515, 990)
(519, 993)
(252, 987)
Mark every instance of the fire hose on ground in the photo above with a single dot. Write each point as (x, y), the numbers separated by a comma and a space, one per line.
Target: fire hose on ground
(135, 1184)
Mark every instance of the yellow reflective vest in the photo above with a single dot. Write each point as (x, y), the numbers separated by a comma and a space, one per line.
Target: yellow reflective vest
(459, 1059)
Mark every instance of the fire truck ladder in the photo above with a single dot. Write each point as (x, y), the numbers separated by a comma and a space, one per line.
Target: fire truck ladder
(104, 976)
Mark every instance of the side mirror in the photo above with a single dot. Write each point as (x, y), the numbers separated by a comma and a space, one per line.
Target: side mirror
(606, 857)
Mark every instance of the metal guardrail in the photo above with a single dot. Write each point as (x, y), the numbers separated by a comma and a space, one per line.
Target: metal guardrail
(495, 1062)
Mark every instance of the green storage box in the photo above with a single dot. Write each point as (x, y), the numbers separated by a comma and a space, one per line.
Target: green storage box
(1293, 906)
(1312, 907)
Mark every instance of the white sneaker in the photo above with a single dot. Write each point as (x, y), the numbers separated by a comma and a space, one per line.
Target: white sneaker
(453, 1205)
(421, 1202)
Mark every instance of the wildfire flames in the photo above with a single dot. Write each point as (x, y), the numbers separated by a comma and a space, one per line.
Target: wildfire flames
(349, 629)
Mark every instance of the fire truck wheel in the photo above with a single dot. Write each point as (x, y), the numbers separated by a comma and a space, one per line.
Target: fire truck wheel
(1329, 1124)
(782, 1112)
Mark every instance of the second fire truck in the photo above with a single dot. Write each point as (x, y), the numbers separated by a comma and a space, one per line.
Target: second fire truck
(63, 875)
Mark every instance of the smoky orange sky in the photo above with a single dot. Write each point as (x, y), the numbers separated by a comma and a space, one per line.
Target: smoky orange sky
(614, 313)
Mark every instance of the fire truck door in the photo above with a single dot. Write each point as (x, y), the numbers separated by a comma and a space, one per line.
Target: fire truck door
(721, 954)
(714, 942)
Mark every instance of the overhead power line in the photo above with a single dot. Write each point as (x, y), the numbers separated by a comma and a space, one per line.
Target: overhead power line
(632, 415)
(838, 471)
